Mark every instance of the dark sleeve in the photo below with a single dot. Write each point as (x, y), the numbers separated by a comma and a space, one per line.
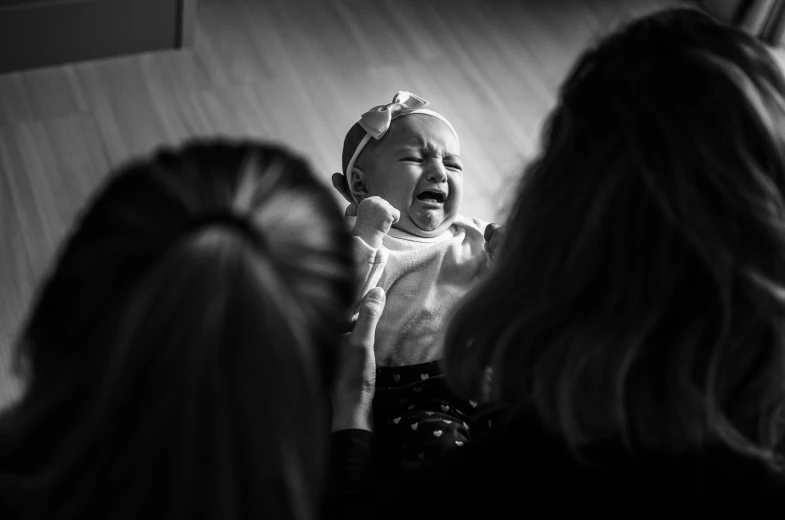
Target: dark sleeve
(353, 476)
(458, 484)
(423, 493)
(358, 489)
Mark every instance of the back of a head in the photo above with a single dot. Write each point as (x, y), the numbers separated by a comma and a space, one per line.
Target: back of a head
(639, 295)
(178, 355)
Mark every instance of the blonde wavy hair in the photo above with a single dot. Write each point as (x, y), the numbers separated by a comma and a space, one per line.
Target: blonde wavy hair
(640, 293)
(178, 356)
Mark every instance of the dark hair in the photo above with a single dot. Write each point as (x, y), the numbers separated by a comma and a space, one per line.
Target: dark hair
(179, 355)
(640, 293)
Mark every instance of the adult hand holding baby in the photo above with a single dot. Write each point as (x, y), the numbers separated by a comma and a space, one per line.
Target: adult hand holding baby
(494, 235)
(355, 384)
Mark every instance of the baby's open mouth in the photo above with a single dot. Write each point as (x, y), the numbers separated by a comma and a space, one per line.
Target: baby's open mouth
(432, 196)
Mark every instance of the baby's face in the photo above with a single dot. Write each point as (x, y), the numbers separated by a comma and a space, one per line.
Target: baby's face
(417, 168)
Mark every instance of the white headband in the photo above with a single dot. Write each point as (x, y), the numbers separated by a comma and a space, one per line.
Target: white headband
(377, 121)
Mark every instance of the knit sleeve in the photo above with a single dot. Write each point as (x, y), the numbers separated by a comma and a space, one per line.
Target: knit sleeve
(370, 264)
(481, 224)
(353, 478)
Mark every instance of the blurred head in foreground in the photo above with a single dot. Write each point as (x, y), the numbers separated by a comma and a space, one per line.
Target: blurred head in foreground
(640, 295)
(178, 356)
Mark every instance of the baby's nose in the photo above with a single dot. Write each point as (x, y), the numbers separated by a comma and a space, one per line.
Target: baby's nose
(436, 173)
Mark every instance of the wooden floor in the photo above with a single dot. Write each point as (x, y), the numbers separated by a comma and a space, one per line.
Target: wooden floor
(296, 71)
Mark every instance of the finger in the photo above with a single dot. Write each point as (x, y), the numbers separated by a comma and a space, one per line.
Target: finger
(497, 238)
(342, 185)
(370, 312)
(396, 215)
(351, 210)
(489, 230)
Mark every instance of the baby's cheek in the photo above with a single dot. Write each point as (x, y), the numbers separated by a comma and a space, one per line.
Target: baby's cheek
(457, 193)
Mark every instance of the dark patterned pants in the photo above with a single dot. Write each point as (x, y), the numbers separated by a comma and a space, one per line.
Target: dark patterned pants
(417, 417)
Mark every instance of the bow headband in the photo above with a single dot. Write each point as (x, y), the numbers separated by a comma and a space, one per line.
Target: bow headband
(377, 121)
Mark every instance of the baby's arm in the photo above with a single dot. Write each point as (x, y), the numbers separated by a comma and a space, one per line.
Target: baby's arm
(370, 265)
(375, 216)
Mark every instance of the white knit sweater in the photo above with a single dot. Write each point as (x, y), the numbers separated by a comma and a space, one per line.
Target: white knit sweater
(424, 279)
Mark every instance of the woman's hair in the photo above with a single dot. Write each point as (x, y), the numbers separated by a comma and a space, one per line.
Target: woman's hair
(640, 293)
(178, 357)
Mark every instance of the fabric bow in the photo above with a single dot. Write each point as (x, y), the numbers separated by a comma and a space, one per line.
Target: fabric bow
(377, 120)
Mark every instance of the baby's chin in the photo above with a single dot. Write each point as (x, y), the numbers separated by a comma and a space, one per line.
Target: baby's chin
(425, 227)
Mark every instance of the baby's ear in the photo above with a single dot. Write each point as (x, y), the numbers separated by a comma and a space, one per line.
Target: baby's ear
(358, 187)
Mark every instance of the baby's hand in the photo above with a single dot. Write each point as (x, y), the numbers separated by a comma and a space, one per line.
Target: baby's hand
(375, 216)
(494, 235)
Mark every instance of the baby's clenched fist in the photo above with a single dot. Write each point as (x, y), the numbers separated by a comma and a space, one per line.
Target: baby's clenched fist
(375, 217)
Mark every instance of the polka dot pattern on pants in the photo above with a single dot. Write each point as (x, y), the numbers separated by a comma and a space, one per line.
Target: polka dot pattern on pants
(417, 416)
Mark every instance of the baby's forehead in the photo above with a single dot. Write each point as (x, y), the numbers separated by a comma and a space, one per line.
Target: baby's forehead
(420, 130)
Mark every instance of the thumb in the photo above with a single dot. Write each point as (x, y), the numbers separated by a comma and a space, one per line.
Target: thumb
(396, 215)
(351, 210)
(370, 311)
(489, 230)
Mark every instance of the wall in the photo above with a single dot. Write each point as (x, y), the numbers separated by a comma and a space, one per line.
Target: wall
(39, 33)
